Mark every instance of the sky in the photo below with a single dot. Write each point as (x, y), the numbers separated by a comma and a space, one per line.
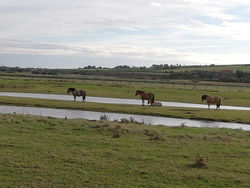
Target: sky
(77, 33)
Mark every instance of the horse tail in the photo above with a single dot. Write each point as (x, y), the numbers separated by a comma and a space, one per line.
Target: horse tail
(153, 98)
(218, 104)
(84, 96)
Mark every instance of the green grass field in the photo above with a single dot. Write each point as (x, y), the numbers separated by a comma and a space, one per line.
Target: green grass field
(48, 152)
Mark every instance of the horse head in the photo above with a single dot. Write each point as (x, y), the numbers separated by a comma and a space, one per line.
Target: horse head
(71, 89)
(204, 97)
(139, 92)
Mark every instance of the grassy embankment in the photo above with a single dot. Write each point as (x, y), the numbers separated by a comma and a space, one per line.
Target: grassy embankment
(185, 91)
(190, 113)
(49, 152)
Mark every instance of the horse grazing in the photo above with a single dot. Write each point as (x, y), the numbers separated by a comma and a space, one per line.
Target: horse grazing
(77, 93)
(212, 100)
(156, 104)
(145, 96)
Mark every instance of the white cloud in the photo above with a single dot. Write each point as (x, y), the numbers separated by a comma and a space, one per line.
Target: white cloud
(107, 51)
(154, 4)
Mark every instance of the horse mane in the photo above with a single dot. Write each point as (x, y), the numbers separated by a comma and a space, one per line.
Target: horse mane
(71, 89)
(140, 91)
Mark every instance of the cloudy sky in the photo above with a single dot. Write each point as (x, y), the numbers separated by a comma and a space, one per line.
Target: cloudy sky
(76, 33)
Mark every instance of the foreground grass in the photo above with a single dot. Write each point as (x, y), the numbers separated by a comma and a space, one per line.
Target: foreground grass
(180, 91)
(49, 152)
(189, 113)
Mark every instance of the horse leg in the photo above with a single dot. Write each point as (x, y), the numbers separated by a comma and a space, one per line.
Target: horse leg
(142, 102)
(149, 101)
(208, 106)
(74, 98)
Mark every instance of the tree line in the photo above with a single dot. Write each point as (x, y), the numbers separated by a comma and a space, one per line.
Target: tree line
(153, 72)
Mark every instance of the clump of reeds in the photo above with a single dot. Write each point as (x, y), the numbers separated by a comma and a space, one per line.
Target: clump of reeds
(104, 117)
(154, 135)
(117, 132)
(129, 120)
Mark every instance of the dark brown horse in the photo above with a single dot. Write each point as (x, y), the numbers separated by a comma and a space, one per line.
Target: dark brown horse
(77, 93)
(212, 100)
(146, 96)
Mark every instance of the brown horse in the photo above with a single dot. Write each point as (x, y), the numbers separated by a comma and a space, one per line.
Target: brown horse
(212, 100)
(145, 96)
(77, 93)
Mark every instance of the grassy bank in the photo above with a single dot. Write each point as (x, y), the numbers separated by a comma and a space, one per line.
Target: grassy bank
(49, 152)
(222, 115)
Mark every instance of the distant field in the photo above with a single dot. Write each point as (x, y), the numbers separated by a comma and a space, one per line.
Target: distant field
(49, 152)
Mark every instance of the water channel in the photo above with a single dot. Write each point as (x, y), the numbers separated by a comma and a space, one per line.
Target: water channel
(89, 115)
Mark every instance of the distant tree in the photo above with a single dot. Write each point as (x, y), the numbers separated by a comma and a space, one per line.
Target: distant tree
(239, 74)
(90, 67)
(122, 67)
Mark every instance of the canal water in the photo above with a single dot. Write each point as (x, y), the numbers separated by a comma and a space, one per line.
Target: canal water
(90, 115)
